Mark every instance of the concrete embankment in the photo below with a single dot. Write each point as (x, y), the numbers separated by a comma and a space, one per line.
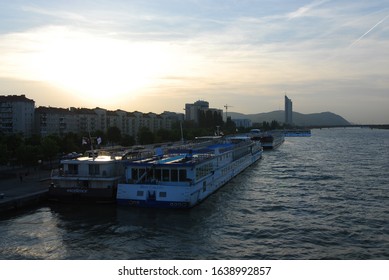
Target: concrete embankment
(24, 190)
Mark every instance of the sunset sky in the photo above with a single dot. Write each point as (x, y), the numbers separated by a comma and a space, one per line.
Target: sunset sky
(157, 55)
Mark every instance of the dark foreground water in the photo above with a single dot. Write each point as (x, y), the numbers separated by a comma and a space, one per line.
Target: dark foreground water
(326, 196)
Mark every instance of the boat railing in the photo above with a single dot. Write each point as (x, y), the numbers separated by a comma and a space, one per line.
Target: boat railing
(189, 146)
(203, 157)
(69, 174)
(136, 155)
(151, 181)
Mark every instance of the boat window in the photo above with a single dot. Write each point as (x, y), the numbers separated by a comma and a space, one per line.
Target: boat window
(73, 169)
(165, 175)
(203, 170)
(139, 193)
(134, 174)
(162, 194)
(94, 169)
(141, 172)
(157, 174)
(174, 175)
(182, 175)
(150, 173)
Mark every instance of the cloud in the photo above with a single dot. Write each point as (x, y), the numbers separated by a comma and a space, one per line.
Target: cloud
(304, 10)
(58, 14)
(194, 48)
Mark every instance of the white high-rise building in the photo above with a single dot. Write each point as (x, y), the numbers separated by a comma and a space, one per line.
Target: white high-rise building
(288, 111)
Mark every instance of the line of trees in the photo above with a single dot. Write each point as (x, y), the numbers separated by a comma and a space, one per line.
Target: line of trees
(15, 150)
(36, 150)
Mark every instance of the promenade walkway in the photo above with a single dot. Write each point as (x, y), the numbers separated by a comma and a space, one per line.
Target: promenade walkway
(28, 188)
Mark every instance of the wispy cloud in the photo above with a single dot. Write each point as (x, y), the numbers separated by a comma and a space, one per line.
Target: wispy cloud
(304, 10)
(69, 16)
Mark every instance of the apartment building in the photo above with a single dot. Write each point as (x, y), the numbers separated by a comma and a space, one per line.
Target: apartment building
(16, 115)
(19, 115)
(51, 120)
(192, 111)
(246, 123)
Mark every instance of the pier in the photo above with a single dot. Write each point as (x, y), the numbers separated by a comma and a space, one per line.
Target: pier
(23, 190)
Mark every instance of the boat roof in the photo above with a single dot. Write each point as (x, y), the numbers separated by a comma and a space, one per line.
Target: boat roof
(98, 159)
(187, 155)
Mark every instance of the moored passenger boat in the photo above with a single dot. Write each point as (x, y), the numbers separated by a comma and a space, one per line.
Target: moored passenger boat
(297, 133)
(93, 177)
(186, 175)
(269, 139)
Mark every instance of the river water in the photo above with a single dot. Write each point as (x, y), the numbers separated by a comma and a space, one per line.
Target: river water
(319, 197)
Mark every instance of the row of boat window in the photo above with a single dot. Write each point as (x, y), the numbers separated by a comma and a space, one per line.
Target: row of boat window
(224, 156)
(204, 170)
(231, 167)
(238, 153)
(141, 193)
(94, 169)
(166, 175)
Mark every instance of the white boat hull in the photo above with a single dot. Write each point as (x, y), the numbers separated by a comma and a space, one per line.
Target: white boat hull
(149, 195)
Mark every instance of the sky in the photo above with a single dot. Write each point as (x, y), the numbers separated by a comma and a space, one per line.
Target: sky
(158, 55)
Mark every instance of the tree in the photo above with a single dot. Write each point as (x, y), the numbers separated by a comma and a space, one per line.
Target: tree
(163, 135)
(34, 140)
(229, 127)
(145, 136)
(265, 126)
(114, 135)
(218, 119)
(274, 125)
(14, 141)
(28, 155)
(4, 154)
(127, 140)
(70, 143)
(50, 148)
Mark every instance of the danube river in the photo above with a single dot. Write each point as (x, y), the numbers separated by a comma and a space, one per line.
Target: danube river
(319, 197)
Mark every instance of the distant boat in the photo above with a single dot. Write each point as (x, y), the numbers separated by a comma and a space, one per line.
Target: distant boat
(186, 175)
(297, 133)
(269, 139)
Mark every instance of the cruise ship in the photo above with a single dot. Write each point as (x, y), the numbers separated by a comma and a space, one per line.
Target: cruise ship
(182, 177)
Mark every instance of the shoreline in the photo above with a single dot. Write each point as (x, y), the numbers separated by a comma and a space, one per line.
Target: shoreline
(24, 190)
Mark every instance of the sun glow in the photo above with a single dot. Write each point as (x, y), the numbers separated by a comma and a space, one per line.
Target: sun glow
(96, 68)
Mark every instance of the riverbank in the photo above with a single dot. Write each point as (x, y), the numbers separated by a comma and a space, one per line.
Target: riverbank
(25, 189)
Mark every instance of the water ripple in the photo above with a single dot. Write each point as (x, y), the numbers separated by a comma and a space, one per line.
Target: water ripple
(323, 197)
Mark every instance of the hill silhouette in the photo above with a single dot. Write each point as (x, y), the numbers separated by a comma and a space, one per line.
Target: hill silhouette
(316, 119)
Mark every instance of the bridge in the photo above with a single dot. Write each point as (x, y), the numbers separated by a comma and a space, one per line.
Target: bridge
(372, 126)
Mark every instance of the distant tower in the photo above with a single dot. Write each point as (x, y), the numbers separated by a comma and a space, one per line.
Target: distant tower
(288, 111)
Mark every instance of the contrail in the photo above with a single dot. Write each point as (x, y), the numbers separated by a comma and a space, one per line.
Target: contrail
(305, 9)
(360, 38)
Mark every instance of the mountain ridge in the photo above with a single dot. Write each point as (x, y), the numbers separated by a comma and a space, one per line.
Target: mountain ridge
(299, 119)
